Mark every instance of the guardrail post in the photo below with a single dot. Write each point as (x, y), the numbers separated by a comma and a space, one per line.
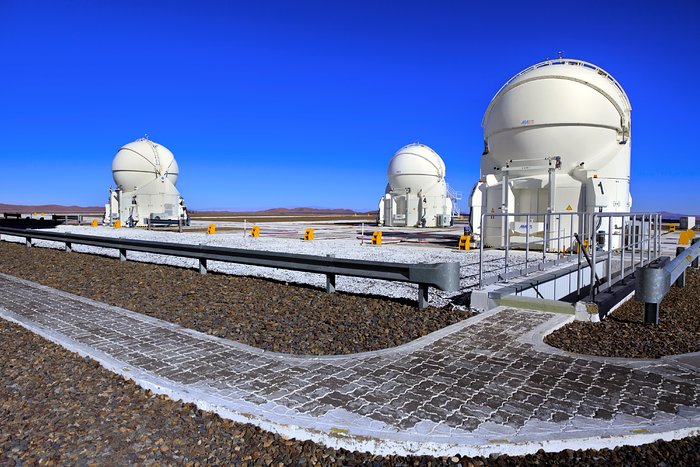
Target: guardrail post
(122, 254)
(652, 284)
(696, 261)
(202, 266)
(69, 247)
(680, 282)
(28, 242)
(651, 313)
(330, 279)
(422, 296)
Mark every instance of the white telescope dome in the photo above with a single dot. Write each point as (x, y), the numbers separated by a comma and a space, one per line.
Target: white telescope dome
(562, 107)
(416, 167)
(141, 162)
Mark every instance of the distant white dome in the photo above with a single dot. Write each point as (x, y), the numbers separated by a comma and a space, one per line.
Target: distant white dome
(416, 167)
(142, 161)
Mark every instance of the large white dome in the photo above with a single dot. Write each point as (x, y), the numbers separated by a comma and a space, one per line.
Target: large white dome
(141, 162)
(416, 167)
(563, 107)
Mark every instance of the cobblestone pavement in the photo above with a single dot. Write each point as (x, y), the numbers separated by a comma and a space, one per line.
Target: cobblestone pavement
(484, 385)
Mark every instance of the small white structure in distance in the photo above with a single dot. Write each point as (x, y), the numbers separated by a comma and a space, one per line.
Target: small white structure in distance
(145, 174)
(557, 138)
(417, 194)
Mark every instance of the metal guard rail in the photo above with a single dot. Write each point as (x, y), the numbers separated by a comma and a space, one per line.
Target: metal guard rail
(655, 281)
(443, 276)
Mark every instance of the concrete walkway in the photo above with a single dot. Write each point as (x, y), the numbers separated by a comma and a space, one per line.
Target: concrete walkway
(481, 386)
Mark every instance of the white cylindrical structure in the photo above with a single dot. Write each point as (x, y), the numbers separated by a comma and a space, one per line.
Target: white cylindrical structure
(558, 134)
(145, 174)
(416, 194)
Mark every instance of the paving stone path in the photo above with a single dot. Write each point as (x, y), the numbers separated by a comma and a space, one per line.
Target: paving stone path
(485, 385)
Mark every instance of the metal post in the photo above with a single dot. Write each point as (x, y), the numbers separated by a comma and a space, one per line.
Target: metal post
(550, 201)
(527, 239)
(571, 234)
(558, 236)
(634, 241)
(422, 296)
(581, 223)
(545, 238)
(659, 221)
(28, 242)
(594, 245)
(69, 247)
(696, 261)
(680, 282)
(202, 266)
(651, 313)
(330, 283)
(504, 208)
(330, 280)
(622, 247)
(610, 248)
(481, 253)
(507, 217)
(649, 241)
(122, 254)
(641, 246)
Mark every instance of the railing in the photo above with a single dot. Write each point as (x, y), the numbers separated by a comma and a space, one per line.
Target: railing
(639, 243)
(443, 276)
(656, 279)
(628, 240)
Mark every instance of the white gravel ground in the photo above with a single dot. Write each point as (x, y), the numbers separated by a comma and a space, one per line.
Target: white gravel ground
(341, 248)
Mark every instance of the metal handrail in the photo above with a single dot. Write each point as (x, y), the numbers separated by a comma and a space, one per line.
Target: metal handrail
(655, 280)
(645, 247)
(443, 276)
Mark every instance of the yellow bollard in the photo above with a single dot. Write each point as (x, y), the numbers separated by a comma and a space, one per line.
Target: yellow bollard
(94, 223)
(211, 229)
(377, 238)
(255, 231)
(685, 237)
(309, 234)
(117, 224)
(672, 228)
(464, 242)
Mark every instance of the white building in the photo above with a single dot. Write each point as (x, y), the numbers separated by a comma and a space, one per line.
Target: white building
(416, 194)
(145, 174)
(557, 138)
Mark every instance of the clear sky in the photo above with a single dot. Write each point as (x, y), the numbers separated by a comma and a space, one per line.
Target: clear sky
(302, 103)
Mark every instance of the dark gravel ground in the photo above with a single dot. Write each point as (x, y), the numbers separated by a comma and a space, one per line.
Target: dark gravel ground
(258, 312)
(624, 334)
(59, 408)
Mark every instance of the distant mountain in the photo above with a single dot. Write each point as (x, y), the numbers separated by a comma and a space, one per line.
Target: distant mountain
(305, 211)
(674, 216)
(49, 208)
(279, 212)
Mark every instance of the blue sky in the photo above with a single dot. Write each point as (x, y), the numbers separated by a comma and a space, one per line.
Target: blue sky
(302, 103)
